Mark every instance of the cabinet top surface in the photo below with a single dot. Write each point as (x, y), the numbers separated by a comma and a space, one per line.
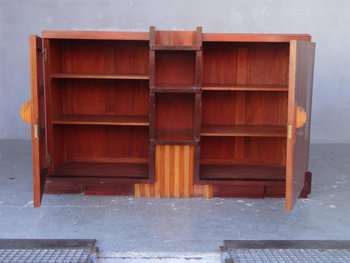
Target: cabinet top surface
(206, 37)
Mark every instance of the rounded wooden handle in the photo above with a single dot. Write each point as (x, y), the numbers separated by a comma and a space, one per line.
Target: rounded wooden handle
(26, 111)
(301, 117)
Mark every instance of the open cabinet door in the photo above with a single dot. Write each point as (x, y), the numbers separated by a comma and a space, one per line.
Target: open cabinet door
(301, 66)
(38, 118)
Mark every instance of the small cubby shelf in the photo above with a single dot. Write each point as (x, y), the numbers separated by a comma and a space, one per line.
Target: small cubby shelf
(174, 69)
(174, 136)
(175, 119)
(175, 89)
(175, 47)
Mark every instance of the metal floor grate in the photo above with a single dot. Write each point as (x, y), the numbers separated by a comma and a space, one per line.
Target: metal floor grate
(47, 251)
(285, 251)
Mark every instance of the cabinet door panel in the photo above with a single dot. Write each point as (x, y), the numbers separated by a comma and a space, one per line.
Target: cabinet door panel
(38, 118)
(299, 117)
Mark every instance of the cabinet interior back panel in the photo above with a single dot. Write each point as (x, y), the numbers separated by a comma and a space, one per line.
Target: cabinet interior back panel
(108, 97)
(174, 111)
(244, 108)
(243, 150)
(89, 143)
(174, 68)
(245, 63)
(98, 56)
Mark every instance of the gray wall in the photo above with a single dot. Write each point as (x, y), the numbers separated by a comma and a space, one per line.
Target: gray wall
(327, 21)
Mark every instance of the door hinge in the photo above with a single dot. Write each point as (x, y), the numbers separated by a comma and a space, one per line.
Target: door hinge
(45, 54)
(36, 131)
(48, 160)
(289, 132)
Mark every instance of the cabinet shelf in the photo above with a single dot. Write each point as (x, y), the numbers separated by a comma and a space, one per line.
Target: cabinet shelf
(242, 172)
(179, 136)
(91, 169)
(247, 87)
(98, 76)
(176, 47)
(244, 130)
(102, 120)
(175, 89)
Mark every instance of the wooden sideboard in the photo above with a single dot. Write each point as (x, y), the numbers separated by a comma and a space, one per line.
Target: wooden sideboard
(171, 114)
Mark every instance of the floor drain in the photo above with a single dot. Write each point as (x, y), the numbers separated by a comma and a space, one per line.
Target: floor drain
(287, 251)
(48, 251)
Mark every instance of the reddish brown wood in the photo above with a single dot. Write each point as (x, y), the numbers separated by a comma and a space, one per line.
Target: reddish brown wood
(228, 37)
(225, 56)
(252, 191)
(174, 136)
(100, 57)
(102, 120)
(307, 185)
(175, 39)
(245, 87)
(100, 107)
(109, 189)
(244, 130)
(223, 151)
(97, 76)
(98, 169)
(98, 35)
(175, 89)
(243, 117)
(174, 117)
(300, 95)
(174, 68)
(38, 118)
(242, 172)
(113, 96)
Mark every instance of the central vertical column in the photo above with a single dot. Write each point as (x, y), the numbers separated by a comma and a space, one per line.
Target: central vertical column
(175, 62)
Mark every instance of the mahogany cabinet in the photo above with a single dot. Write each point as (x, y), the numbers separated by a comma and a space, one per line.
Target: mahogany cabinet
(171, 114)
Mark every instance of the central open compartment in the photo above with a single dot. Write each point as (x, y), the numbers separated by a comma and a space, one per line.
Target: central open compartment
(174, 119)
(174, 71)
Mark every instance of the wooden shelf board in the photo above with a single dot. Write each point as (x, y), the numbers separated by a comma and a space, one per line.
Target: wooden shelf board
(94, 169)
(244, 131)
(242, 172)
(234, 37)
(182, 136)
(102, 120)
(245, 87)
(176, 47)
(98, 76)
(177, 89)
(101, 35)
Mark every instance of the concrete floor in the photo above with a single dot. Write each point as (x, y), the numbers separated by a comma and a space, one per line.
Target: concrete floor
(173, 229)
